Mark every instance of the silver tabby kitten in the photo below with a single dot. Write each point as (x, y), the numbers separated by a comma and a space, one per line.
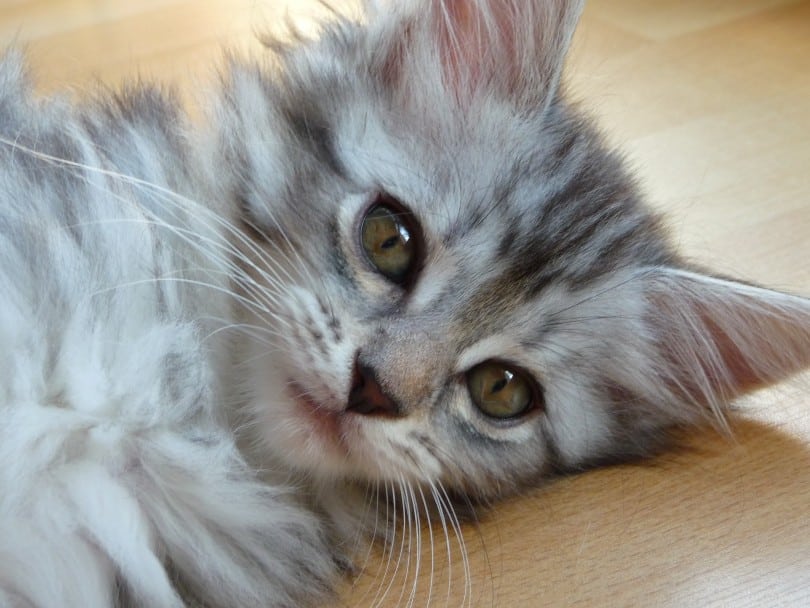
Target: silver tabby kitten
(398, 260)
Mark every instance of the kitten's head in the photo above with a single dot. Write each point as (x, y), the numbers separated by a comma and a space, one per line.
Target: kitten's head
(450, 277)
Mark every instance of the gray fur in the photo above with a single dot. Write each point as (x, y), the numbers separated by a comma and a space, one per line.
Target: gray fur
(221, 399)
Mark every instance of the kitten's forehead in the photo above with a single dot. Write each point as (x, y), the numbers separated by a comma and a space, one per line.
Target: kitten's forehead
(510, 199)
(510, 205)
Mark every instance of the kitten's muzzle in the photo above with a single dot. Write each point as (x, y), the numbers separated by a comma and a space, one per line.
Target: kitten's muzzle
(367, 396)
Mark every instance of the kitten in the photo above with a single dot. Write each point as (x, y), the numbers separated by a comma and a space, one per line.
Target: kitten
(397, 260)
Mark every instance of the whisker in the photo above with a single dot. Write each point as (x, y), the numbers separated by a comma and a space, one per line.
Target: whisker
(407, 519)
(432, 549)
(165, 196)
(373, 536)
(456, 525)
(217, 288)
(441, 509)
(418, 535)
(245, 329)
(381, 594)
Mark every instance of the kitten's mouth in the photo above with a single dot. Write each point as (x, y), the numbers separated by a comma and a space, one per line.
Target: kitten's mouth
(326, 424)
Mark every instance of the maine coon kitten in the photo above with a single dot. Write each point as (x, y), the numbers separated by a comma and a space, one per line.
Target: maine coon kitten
(400, 260)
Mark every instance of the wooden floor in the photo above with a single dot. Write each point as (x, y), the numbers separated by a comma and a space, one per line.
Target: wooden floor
(711, 100)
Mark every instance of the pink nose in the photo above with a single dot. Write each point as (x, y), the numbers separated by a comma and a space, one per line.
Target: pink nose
(367, 397)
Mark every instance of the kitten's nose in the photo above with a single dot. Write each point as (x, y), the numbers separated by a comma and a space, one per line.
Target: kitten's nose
(367, 397)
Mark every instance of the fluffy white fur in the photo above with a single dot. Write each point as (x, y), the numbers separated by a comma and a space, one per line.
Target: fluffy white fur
(186, 311)
(121, 483)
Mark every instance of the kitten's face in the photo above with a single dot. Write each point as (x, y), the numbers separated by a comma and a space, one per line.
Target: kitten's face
(446, 290)
(448, 278)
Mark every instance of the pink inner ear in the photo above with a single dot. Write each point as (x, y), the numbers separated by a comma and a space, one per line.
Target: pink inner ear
(736, 373)
(477, 44)
(508, 49)
(720, 339)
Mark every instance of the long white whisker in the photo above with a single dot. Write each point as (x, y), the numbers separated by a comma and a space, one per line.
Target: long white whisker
(383, 589)
(168, 196)
(454, 522)
(376, 509)
(418, 533)
(432, 549)
(217, 288)
(246, 329)
(406, 510)
(441, 508)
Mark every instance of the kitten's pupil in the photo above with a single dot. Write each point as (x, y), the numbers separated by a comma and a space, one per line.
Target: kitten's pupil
(392, 242)
(500, 391)
(388, 242)
(499, 385)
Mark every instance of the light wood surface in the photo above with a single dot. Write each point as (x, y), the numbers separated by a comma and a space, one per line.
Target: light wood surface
(711, 101)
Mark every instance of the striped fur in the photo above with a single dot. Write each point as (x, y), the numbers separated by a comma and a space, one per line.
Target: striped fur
(187, 309)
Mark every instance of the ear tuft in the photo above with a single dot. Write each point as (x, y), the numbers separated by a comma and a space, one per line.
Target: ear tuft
(718, 339)
(514, 49)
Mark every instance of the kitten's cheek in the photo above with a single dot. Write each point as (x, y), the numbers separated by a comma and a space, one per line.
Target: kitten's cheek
(322, 424)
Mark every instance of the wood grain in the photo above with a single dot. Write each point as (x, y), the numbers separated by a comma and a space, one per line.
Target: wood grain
(711, 101)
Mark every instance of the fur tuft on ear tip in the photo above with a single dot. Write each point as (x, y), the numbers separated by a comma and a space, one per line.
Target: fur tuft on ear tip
(719, 339)
(512, 49)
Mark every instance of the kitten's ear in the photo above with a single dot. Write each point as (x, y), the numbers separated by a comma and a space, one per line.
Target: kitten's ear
(510, 48)
(718, 339)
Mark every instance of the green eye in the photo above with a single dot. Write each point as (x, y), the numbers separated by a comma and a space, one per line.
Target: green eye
(389, 242)
(500, 390)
